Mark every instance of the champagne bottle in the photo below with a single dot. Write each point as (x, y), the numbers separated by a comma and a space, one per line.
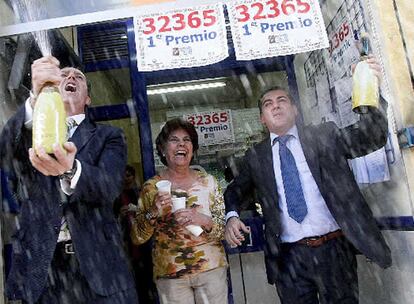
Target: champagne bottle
(365, 92)
(49, 119)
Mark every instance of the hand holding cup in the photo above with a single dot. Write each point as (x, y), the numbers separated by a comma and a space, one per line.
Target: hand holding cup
(190, 218)
(163, 196)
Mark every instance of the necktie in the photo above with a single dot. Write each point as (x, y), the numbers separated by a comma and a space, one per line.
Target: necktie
(295, 200)
(71, 124)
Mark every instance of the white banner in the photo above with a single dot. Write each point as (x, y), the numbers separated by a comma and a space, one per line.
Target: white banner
(273, 28)
(213, 127)
(343, 51)
(181, 38)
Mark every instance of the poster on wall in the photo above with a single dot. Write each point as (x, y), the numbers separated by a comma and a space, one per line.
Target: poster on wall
(213, 127)
(181, 38)
(272, 28)
(343, 51)
(343, 90)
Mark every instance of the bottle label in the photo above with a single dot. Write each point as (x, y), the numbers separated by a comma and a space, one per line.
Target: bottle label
(365, 87)
(49, 120)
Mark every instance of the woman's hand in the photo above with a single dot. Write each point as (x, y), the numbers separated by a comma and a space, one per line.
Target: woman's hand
(190, 216)
(161, 201)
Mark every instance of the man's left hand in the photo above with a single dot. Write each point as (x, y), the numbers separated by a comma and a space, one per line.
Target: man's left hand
(54, 166)
(374, 65)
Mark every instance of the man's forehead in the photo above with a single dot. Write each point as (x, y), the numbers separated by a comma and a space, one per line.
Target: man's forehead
(70, 69)
(275, 94)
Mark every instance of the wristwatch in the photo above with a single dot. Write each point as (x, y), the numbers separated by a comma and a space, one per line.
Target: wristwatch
(68, 175)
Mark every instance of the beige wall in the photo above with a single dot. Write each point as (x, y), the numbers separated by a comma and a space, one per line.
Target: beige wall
(6, 14)
(396, 67)
(406, 14)
(70, 34)
(394, 55)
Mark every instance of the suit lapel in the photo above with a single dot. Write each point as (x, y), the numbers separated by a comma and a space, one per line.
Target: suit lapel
(265, 157)
(310, 150)
(83, 133)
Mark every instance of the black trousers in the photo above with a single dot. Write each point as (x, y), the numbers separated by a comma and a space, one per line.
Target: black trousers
(310, 275)
(66, 284)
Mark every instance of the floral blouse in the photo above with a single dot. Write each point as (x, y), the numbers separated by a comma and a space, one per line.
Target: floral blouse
(177, 252)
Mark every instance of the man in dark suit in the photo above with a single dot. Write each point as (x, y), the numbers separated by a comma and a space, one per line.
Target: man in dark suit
(315, 217)
(67, 247)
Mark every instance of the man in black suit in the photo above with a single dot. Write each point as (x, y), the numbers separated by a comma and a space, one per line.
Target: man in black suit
(315, 217)
(67, 247)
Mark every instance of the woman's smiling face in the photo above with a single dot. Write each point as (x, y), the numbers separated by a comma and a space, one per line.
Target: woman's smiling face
(179, 149)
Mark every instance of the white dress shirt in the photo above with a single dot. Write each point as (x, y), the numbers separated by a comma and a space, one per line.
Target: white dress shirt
(319, 219)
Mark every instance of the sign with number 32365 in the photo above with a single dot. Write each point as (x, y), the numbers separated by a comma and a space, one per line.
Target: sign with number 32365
(182, 37)
(269, 28)
(213, 127)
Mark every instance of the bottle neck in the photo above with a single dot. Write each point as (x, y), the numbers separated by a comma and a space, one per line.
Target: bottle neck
(49, 88)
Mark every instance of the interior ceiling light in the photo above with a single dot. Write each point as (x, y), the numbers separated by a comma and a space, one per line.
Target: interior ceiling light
(181, 86)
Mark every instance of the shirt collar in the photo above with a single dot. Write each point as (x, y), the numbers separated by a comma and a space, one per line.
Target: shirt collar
(292, 131)
(78, 118)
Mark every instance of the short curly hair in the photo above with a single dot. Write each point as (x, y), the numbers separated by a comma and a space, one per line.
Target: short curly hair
(171, 126)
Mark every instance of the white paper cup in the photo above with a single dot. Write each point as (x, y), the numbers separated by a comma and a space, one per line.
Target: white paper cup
(164, 186)
(178, 203)
(195, 230)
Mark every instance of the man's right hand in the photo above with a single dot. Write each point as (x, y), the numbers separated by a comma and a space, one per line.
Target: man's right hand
(45, 70)
(57, 165)
(234, 231)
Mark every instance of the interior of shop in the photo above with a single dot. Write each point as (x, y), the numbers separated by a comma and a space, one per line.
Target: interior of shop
(141, 102)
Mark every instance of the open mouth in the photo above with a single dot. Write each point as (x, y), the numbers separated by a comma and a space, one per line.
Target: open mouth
(70, 87)
(180, 153)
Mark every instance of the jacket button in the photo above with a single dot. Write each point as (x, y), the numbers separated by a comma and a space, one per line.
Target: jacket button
(56, 228)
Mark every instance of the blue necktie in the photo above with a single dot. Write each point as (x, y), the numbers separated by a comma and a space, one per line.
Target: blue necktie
(295, 200)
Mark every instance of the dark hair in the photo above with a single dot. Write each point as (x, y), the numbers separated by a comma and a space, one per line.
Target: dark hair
(130, 170)
(171, 126)
(274, 88)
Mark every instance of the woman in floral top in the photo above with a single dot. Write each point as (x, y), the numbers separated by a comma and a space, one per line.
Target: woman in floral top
(187, 268)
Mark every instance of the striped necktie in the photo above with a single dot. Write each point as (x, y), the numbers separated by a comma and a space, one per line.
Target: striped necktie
(71, 124)
(295, 200)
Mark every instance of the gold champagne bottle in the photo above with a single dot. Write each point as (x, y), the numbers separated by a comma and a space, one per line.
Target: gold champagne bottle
(49, 119)
(365, 85)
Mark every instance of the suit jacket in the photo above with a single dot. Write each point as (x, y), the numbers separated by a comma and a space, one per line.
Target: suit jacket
(88, 211)
(326, 149)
